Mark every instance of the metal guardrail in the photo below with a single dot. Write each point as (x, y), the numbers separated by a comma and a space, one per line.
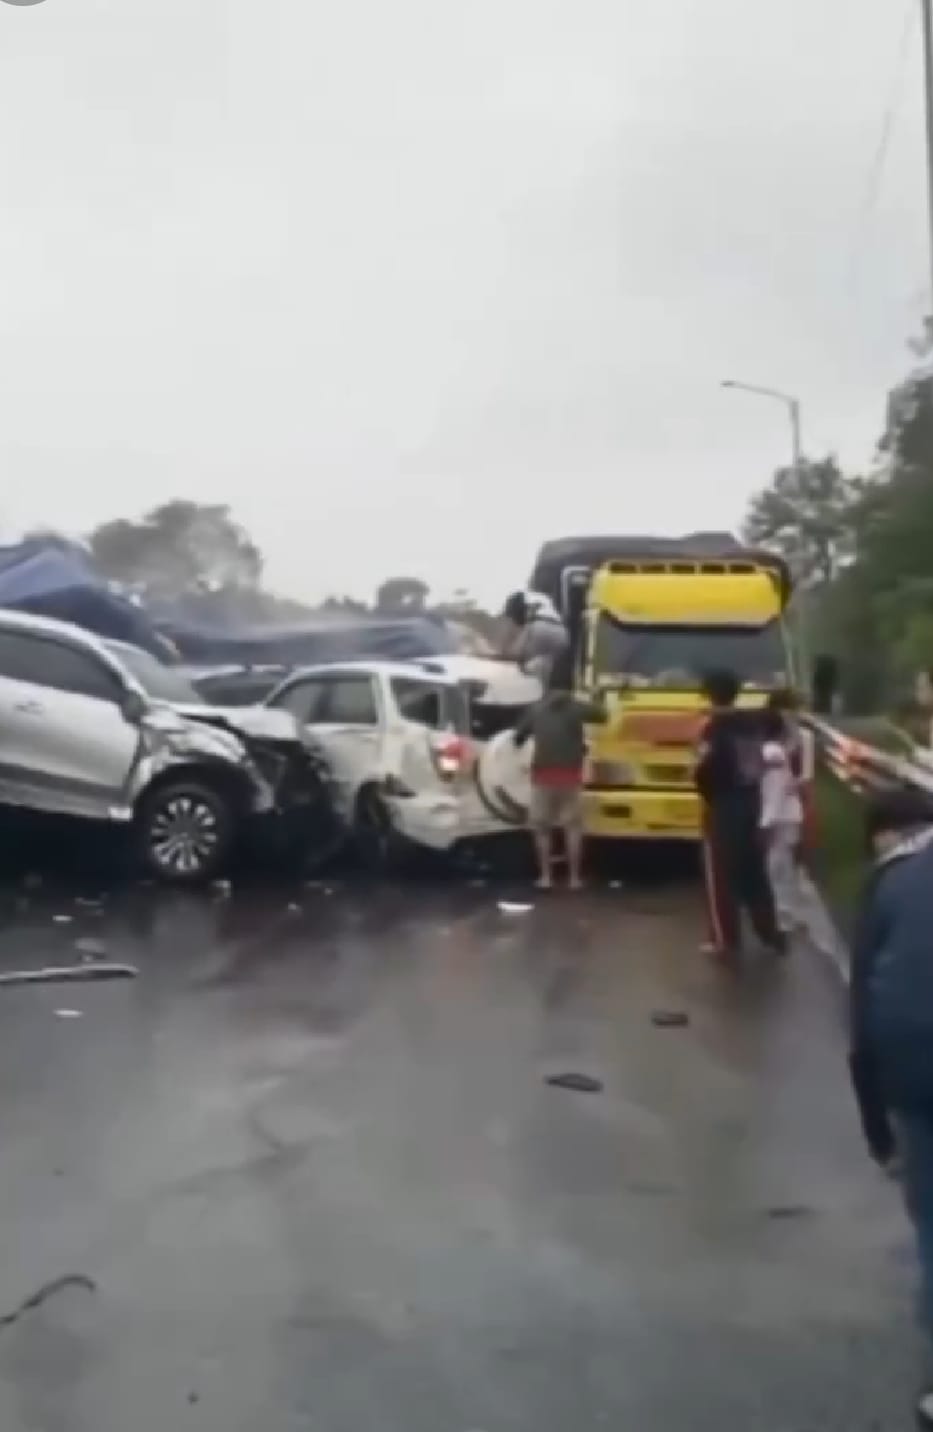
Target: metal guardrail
(864, 767)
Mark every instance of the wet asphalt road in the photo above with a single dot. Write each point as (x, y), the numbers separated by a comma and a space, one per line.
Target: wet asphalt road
(311, 1164)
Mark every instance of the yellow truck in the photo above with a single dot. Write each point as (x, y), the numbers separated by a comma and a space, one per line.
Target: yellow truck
(648, 617)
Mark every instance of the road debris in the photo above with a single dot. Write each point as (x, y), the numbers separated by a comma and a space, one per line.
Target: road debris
(93, 949)
(670, 1018)
(48, 1290)
(68, 974)
(63, 919)
(511, 907)
(577, 1083)
(222, 889)
(69, 1014)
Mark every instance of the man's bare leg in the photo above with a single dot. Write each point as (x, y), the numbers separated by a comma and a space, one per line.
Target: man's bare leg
(573, 838)
(544, 854)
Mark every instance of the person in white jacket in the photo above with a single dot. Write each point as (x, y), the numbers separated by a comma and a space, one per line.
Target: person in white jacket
(781, 821)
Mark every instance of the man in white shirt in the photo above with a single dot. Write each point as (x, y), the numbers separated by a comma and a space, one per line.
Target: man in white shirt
(781, 820)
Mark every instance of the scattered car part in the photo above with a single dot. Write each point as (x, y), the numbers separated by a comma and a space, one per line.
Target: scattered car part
(68, 974)
(577, 1083)
(670, 1018)
(48, 1290)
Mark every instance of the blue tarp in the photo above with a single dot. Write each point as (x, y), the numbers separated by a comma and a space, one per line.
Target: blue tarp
(397, 639)
(56, 580)
(53, 581)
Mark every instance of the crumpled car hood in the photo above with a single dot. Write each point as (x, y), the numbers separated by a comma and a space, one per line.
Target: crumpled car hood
(260, 722)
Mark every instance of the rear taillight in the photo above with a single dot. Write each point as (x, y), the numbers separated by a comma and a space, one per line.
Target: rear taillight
(451, 755)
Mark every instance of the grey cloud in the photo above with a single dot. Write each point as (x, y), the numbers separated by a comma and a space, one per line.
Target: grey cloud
(466, 271)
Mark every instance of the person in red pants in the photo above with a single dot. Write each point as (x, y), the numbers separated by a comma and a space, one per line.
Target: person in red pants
(728, 778)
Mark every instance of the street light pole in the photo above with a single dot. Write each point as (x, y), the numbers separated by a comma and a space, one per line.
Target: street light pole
(927, 6)
(791, 403)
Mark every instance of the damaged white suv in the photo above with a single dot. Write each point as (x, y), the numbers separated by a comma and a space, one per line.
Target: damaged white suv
(421, 751)
(80, 736)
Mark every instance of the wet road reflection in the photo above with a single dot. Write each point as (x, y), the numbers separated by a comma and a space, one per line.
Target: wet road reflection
(312, 1164)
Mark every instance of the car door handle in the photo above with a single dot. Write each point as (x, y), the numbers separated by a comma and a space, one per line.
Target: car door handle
(29, 708)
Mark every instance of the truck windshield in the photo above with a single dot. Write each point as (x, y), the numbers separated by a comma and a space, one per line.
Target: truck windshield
(676, 658)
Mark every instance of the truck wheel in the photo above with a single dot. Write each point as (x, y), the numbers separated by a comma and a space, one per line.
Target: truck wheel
(185, 831)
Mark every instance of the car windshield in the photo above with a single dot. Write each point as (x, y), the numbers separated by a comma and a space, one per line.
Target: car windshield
(678, 657)
(162, 683)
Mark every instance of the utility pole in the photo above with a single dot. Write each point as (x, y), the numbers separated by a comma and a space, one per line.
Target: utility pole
(928, 110)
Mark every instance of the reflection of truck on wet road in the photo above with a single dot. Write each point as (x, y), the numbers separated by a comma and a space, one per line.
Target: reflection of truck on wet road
(647, 618)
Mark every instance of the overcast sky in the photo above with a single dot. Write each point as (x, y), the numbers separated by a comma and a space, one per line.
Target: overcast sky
(414, 284)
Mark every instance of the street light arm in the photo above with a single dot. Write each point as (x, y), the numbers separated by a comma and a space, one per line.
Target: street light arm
(762, 392)
(791, 403)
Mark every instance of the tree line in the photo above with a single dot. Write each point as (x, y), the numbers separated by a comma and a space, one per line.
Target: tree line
(200, 554)
(861, 549)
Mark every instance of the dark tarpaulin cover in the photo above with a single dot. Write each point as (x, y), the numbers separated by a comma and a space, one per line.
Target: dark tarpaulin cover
(396, 639)
(59, 582)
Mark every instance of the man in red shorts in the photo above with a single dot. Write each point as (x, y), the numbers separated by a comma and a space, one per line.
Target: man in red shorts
(557, 724)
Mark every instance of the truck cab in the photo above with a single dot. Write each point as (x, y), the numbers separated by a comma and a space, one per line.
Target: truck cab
(646, 626)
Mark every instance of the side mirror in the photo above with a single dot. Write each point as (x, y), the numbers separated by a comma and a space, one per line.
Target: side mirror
(134, 708)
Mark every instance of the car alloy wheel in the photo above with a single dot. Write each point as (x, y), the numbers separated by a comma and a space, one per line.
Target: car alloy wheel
(184, 835)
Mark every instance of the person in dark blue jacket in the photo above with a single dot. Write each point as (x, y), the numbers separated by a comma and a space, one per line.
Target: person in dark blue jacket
(891, 1055)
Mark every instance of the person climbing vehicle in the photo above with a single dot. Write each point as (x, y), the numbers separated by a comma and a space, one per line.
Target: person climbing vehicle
(538, 635)
(728, 777)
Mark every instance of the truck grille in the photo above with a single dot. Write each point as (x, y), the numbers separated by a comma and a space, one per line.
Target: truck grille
(669, 774)
(610, 775)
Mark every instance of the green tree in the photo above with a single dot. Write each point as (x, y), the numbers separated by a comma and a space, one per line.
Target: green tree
(807, 514)
(180, 547)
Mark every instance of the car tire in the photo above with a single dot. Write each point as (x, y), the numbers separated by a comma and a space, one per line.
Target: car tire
(379, 847)
(185, 831)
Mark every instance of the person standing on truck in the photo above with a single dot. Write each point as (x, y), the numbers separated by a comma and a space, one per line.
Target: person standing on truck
(728, 777)
(540, 638)
(557, 724)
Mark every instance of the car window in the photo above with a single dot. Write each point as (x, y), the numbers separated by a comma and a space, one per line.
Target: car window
(441, 708)
(303, 700)
(42, 661)
(18, 659)
(165, 683)
(350, 701)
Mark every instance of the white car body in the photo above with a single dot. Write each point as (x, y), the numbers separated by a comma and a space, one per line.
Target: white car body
(402, 757)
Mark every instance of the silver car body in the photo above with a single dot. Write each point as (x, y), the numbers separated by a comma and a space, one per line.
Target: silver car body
(78, 734)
